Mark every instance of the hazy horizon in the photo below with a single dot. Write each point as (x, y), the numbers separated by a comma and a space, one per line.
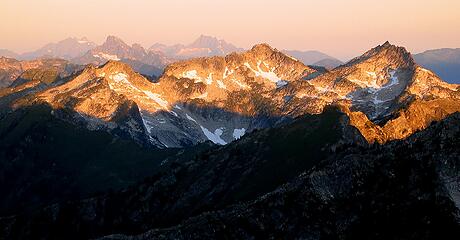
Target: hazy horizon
(292, 24)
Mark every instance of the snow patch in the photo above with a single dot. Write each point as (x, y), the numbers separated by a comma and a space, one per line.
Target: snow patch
(322, 90)
(281, 83)
(148, 125)
(192, 74)
(221, 84)
(293, 58)
(372, 74)
(373, 86)
(107, 56)
(214, 137)
(270, 75)
(120, 78)
(393, 81)
(425, 70)
(190, 118)
(209, 80)
(238, 133)
(157, 98)
(242, 85)
(227, 72)
(377, 101)
(365, 84)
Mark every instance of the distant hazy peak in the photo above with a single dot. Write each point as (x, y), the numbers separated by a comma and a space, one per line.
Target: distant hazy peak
(113, 40)
(203, 46)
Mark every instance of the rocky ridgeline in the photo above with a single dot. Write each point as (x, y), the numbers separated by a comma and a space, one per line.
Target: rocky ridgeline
(385, 93)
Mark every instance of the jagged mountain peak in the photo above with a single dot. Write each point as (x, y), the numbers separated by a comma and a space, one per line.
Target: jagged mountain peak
(213, 43)
(203, 46)
(111, 39)
(114, 42)
(386, 53)
(381, 82)
(105, 97)
(266, 50)
(387, 47)
(386, 44)
(263, 47)
(138, 47)
(114, 45)
(261, 66)
(113, 66)
(82, 40)
(263, 51)
(111, 71)
(146, 62)
(205, 41)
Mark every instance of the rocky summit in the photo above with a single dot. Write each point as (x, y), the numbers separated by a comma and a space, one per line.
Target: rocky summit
(251, 145)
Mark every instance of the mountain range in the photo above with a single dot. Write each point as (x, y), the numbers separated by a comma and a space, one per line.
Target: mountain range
(66, 49)
(151, 61)
(219, 99)
(238, 144)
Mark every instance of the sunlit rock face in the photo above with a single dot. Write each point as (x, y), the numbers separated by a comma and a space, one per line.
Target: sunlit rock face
(384, 92)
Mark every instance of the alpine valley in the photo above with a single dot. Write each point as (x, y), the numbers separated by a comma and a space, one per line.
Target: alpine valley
(211, 141)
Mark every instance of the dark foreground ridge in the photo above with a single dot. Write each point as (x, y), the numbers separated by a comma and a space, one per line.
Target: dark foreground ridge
(403, 190)
(309, 179)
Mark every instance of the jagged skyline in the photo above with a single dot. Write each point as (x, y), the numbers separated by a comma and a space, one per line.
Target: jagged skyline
(312, 25)
(237, 132)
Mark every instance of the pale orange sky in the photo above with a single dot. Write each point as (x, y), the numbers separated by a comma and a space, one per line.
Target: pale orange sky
(341, 28)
